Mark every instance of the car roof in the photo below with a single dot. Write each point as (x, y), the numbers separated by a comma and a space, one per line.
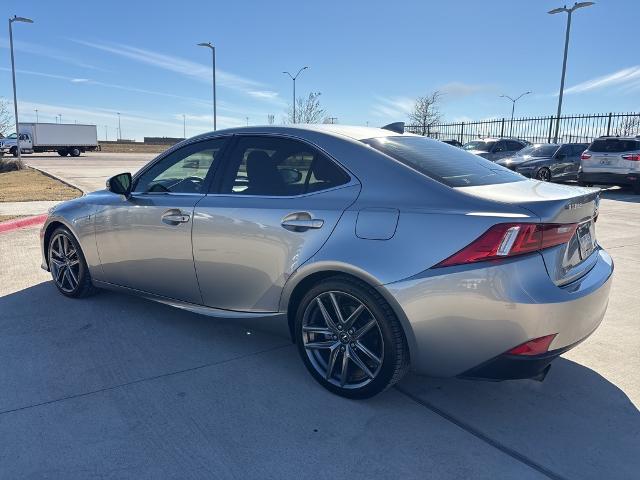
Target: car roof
(354, 132)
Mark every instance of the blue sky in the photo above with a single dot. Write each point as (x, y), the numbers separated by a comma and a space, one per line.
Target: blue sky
(87, 60)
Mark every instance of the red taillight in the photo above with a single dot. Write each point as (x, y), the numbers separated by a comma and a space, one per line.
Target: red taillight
(533, 347)
(585, 156)
(634, 157)
(511, 239)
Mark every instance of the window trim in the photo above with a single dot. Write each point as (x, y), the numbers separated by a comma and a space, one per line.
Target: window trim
(216, 185)
(211, 173)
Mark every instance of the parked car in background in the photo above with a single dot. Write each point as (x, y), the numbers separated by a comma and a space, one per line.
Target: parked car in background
(612, 161)
(64, 138)
(383, 251)
(495, 148)
(547, 161)
(453, 142)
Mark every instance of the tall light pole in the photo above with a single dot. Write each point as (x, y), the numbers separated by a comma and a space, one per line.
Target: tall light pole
(569, 11)
(13, 74)
(37, 121)
(60, 117)
(213, 58)
(119, 127)
(513, 107)
(293, 77)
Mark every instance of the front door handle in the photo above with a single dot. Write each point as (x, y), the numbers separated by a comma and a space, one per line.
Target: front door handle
(304, 224)
(175, 218)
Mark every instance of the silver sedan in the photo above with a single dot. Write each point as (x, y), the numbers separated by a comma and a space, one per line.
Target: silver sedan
(383, 251)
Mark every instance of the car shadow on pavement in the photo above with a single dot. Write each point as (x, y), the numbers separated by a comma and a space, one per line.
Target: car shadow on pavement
(620, 195)
(576, 423)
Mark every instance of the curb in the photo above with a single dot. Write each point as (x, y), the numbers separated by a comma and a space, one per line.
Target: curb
(11, 225)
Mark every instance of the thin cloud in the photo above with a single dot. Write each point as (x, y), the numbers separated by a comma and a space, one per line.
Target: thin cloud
(47, 52)
(627, 78)
(186, 68)
(393, 107)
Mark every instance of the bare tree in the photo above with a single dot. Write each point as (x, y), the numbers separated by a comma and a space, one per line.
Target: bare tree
(425, 111)
(6, 118)
(628, 126)
(308, 110)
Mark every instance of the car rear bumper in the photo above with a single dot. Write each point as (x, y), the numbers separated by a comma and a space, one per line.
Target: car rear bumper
(460, 318)
(606, 178)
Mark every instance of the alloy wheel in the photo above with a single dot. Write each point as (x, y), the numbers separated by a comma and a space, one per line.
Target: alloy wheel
(544, 175)
(64, 263)
(342, 339)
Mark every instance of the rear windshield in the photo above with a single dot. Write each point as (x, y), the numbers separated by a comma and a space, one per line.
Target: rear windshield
(614, 145)
(446, 164)
(479, 145)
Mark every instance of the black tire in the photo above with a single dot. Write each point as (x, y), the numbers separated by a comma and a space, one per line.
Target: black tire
(388, 336)
(75, 152)
(544, 174)
(63, 153)
(14, 151)
(83, 287)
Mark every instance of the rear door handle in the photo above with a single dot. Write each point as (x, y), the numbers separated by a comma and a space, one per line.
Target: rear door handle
(175, 218)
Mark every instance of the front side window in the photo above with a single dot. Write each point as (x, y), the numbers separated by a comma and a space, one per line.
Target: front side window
(451, 166)
(279, 167)
(183, 171)
(513, 146)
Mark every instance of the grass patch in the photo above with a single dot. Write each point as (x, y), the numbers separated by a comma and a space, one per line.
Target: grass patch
(132, 148)
(30, 185)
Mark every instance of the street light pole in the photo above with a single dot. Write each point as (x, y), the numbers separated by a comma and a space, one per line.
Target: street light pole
(119, 127)
(213, 65)
(13, 75)
(294, 77)
(513, 107)
(569, 12)
(37, 121)
(60, 117)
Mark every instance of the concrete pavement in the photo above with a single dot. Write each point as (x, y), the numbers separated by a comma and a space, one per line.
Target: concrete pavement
(120, 387)
(90, 170)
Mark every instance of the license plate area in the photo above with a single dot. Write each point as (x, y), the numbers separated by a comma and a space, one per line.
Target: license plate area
(586, 239)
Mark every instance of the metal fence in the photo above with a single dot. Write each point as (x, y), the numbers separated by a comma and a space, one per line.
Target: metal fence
(573, 128)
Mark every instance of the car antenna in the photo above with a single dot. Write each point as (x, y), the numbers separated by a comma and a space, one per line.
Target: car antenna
(397, 127)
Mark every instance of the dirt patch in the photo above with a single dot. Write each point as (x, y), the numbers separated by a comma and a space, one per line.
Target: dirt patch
(30, 185)
(4, 218)
(132, 148)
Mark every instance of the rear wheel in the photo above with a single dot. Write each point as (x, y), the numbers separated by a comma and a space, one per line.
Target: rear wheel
(544, 174)
(75, 152)
(349, 338)
(68, 266)
(63, 153)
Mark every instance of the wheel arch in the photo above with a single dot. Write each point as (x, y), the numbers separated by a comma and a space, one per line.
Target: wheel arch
(303, 279)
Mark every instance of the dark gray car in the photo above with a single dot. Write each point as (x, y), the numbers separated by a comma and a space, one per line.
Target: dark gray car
(494, 149)
(547, 161)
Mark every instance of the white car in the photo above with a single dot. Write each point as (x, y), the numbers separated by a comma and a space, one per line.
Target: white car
(612, 161)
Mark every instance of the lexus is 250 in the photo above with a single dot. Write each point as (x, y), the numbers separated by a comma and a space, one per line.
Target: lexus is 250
(383, 251)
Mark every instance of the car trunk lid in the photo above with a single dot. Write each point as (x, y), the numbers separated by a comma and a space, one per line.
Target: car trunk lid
(554, 204)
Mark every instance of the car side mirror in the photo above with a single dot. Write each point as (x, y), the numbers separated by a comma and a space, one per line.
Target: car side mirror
(120, 184)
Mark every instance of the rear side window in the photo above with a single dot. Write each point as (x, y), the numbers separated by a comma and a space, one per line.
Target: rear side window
(614, 145)
(446, 164)
(279, 167)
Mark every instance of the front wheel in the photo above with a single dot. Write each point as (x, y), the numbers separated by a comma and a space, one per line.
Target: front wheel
(68, 266)
(349, 338)
(75, 152)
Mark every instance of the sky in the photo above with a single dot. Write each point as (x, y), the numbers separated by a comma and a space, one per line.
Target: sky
(87, 60)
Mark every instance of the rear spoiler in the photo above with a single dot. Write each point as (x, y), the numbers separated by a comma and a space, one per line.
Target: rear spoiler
(397, 127)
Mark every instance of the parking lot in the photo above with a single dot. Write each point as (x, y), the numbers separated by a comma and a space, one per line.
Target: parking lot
(115, 385)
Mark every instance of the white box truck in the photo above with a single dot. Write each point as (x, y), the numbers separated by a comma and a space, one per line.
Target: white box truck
(64, 138)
